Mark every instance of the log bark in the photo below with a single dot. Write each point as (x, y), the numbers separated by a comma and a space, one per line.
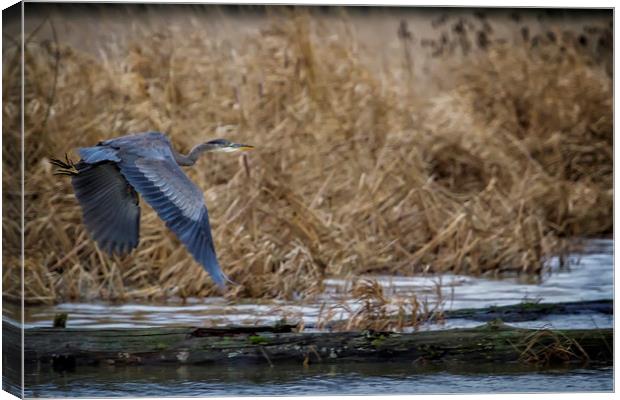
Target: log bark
(492, 342)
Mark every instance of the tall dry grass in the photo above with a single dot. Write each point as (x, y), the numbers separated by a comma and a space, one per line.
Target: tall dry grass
(356, 170)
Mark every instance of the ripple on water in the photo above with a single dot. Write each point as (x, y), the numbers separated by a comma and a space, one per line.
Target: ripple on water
(358, 378)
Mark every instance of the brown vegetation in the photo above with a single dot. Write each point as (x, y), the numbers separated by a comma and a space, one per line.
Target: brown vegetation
(380, 311)
(545, 347)
(356, 171)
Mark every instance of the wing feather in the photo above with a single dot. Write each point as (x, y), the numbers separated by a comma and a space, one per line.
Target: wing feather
(179, 203)
(109, 206)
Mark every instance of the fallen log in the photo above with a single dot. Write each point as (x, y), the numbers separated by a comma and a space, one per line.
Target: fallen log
(492, 342)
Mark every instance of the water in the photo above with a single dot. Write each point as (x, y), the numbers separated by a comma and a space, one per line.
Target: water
(589, 276)
(295, 380)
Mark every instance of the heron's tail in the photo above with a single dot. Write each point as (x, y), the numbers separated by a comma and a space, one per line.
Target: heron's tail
(66, 167)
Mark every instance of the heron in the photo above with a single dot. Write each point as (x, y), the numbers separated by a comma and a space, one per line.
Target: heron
(109, 176)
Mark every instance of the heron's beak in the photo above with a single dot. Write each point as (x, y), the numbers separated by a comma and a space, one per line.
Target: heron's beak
(242, 147)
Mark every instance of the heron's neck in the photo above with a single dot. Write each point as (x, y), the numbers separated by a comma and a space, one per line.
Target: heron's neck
(190, 159)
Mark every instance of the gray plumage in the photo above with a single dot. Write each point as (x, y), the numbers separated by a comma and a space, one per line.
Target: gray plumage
(108, 177)
(109, 206)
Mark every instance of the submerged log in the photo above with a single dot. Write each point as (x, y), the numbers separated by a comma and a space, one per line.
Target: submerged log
(493, 342)
(532, 311)
(526, 311)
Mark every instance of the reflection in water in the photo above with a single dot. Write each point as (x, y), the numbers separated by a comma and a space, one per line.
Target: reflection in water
(354, 378)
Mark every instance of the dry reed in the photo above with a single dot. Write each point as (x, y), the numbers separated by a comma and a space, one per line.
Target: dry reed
(357, 171)
(379, 312)
(546, 347)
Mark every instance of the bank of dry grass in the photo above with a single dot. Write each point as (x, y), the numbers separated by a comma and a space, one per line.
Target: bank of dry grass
(355, 170)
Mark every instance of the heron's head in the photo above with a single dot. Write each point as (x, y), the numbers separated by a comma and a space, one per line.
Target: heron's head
(226, 146)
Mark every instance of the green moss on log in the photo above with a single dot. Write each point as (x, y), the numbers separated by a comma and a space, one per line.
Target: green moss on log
(493, 342)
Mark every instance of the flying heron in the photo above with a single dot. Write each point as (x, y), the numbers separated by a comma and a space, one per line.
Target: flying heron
(110, 175)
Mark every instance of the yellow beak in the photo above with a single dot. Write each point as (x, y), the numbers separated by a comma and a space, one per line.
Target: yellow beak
(243, 147)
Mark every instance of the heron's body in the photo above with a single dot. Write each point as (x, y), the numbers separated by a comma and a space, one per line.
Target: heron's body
(109, 177)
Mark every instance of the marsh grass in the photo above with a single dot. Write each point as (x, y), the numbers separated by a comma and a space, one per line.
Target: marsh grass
(546, 347)
(356, 170)
(380, 312)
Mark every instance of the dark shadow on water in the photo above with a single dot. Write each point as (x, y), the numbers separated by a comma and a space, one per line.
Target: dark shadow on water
(295, 379)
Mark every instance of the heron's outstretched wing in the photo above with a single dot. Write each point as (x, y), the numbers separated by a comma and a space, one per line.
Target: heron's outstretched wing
(179, 203)
(109, 206)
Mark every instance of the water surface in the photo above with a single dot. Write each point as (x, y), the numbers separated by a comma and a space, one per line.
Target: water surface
(320, 379)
